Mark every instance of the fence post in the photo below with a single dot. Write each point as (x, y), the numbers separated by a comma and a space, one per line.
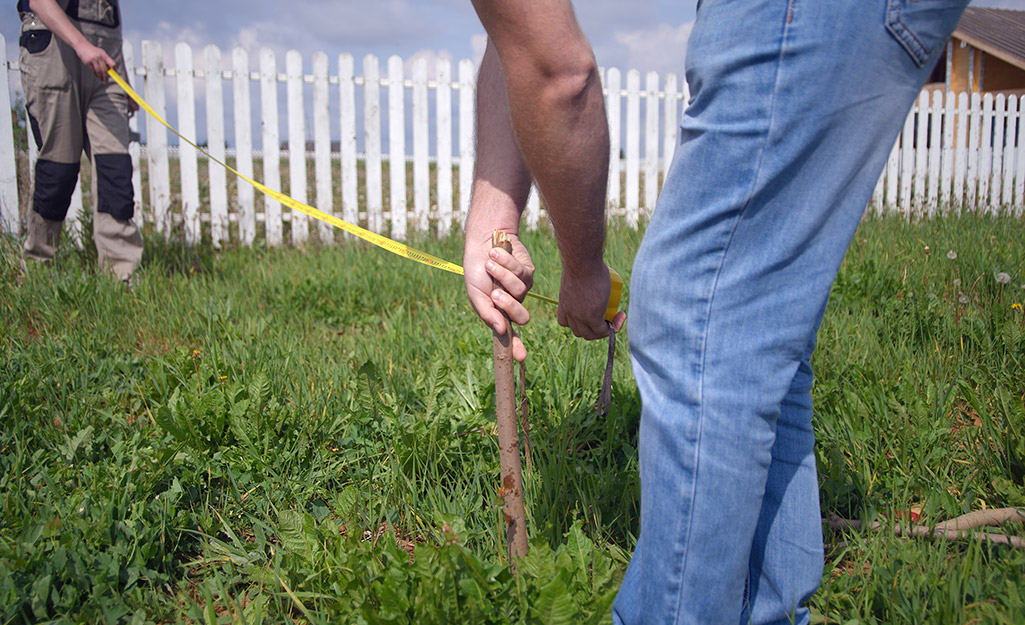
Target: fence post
(271, 144)
(347, 134)
(188, 164)
(443, 129)
(244, 145)
(9, 212)
(397, 146)
(215, 145)
(613, 100)
(156, 137)
(467, 149)
(322, 143)
(372, 142)
(421, 147)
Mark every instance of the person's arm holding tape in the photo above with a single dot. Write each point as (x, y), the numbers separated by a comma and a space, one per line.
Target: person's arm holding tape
(54, 18)
(541, 113)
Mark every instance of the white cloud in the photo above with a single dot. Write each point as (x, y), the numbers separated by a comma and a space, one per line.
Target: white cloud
(662, 48)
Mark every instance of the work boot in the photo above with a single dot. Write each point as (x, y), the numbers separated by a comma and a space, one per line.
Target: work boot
(118, 245)
(43, 236)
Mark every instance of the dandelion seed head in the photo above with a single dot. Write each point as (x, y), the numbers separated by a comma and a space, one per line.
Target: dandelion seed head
(952, 255)
(957, 281)
(962, 298)
(1003, 278)
(927, 250)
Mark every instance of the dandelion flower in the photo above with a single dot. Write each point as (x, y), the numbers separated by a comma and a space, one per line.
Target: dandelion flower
(1016, 306)
(1003, 278)
(952, 255)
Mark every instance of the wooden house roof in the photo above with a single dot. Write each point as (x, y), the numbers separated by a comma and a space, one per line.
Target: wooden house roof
(999, 32)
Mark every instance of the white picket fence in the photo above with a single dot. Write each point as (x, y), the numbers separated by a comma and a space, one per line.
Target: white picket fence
(956, 153)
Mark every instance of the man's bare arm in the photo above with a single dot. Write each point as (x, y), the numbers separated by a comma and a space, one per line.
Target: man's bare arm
(500, 189)
(54, 18)
(558, 117)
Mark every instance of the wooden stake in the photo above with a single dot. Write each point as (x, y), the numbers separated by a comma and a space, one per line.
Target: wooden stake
(511, 489)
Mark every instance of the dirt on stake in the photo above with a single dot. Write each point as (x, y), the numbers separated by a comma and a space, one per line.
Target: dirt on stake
(511, 489)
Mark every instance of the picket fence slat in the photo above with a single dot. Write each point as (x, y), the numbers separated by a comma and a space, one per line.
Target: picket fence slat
(372, 141)
(8, 163)
(421, 148)
(347, 134)
(651, 140)
(907, 163)
(322, 143)
(633, 146)
(187, 157)
(672, 122)
(956, 152)
(947, 156)
(134, 149)
(296, 144)
(972, 179)
(216, 174)
(243, 145)
(1007, 114)
(467, 94)
(443, 124)
(156, 137)
(986, 156)
(961, 154)
(271, 144)
(613, 100)
(1019, 173)
(397, 147)
(921, 154)
(935, 126)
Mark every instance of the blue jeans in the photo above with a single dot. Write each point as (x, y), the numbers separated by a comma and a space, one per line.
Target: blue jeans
(794, 108)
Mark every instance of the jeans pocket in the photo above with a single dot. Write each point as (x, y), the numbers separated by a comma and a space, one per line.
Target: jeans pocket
(35, 41)
(923, 26)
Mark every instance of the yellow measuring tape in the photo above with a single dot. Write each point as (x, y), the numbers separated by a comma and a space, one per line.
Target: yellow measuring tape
(371, 237)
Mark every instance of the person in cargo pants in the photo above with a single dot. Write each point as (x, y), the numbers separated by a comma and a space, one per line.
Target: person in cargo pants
(72, 106)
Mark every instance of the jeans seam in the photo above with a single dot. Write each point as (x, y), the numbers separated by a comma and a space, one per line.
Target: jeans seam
(787, 19)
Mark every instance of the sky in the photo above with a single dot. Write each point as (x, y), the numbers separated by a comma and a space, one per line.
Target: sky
(629, 34)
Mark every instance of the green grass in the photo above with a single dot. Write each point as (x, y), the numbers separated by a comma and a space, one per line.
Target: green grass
(257, 435)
